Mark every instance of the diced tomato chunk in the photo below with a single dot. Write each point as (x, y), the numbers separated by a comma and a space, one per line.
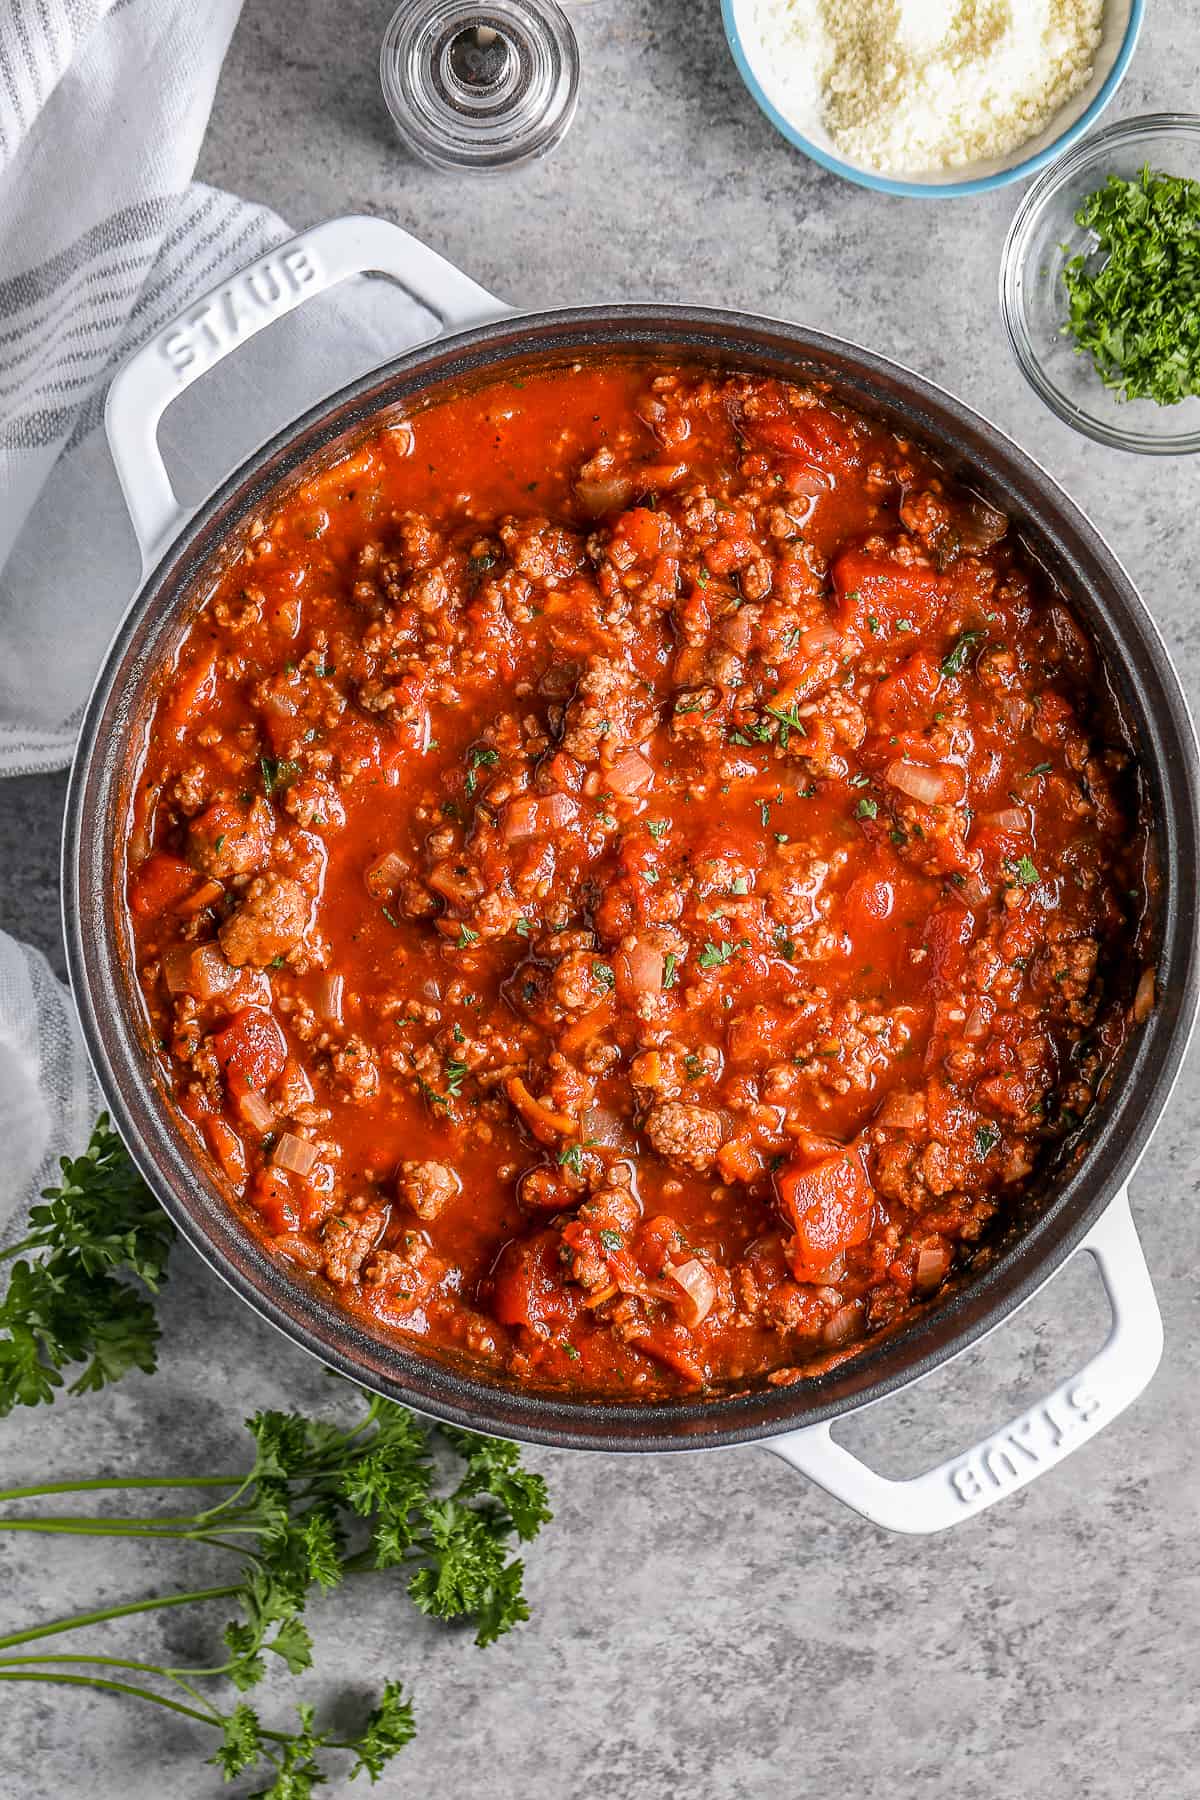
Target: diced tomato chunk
(529, 1287)
(882, 602)
(829, 1205)
(271, 1192)
(194, 687)
(672, 1345)
(251, 1050)
(947, 937)
(909, 691)
(643, 530)
(160, 883)
(814, 434)
(227, 1147)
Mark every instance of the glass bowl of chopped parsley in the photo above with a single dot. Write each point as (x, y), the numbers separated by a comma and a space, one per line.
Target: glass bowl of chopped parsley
(1100, 285)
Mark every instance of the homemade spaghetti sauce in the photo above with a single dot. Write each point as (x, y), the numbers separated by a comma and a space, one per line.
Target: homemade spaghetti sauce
(628, 879)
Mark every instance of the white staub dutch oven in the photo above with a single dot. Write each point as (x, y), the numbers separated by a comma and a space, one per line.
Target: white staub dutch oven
(1080, 1202)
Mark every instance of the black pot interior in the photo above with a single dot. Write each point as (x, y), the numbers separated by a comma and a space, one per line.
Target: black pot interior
(1144, 705)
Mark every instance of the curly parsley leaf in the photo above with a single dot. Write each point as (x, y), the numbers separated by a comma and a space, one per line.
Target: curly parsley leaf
(69, 1298)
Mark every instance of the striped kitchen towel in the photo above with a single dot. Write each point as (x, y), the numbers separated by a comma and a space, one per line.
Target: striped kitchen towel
(103, 238)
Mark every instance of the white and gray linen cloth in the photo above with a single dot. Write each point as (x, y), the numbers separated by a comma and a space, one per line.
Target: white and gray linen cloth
(103, 238)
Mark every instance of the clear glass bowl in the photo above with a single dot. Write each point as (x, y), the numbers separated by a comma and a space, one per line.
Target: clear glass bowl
(1033, 301)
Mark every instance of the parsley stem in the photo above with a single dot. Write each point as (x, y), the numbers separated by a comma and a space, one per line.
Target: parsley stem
(117, 1687)
(123, 1528)
(106, 1484)
(120, 1662)
(29, 1243)
(213, 1717)
(101, 1617)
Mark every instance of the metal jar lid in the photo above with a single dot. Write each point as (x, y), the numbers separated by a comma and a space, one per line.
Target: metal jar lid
(480, 86)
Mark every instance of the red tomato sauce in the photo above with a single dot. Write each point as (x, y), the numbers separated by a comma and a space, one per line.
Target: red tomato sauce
(629, 879)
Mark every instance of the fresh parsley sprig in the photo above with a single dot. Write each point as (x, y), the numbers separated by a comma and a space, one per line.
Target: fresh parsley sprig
(320, 1503)
(77, 1287)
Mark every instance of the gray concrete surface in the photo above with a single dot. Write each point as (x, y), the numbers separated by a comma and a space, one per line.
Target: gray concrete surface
(702, 1626)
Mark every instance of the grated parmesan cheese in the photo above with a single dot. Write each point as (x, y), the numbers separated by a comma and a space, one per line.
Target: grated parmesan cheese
(909, 86)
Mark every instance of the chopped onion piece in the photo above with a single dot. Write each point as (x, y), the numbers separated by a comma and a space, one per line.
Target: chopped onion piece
(631, 773)
(177, 969)
(698, 1290)
(642, 966)
(979, 526)
(933, 1265)
(254, 1109)
(294, 1153)
(820, 638)
(931, 785)
(528, 818)
(384, 876)
(976, 1023)
(975, 890)
(1143, 1000)
(841, 1325)
(330, 990)
(604, 494)
(202, 972)
(1008, 818)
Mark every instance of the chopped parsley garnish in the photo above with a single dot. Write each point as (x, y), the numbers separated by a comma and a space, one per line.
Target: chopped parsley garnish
(872, 621)
(1025, 872)
(714, 955)
(1041, 768)
(276, 774)
(955, 661)
(905, 625)
(571, 1158)
(455, 1075)
(524, 927)
(866, 809)
(693, 1065)
(764, 811)
(658, 827)
(789, 720)
(694, 702)
(1133, 294)
(431, 1093)
(670, 969)
(612, 1240)
(602, 975)
(477, 759)
(740, 885)
(785, 945)
(390, 917)
(986, 1139)
(465, 936)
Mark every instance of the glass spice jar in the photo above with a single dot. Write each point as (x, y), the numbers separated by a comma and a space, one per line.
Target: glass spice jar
(480, 86)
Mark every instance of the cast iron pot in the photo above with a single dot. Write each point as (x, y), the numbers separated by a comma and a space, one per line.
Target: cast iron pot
(1082, 1206)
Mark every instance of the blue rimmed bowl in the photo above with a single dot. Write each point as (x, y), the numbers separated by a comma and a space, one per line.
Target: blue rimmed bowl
(756, 59)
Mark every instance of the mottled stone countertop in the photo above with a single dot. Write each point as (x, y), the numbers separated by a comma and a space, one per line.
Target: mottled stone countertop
(707, 1626)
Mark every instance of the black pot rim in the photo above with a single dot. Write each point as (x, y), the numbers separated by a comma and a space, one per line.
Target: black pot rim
(1149, 692)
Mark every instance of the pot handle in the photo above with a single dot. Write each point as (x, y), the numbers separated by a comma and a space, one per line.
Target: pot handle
(237, 309)
(1080, 1407)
